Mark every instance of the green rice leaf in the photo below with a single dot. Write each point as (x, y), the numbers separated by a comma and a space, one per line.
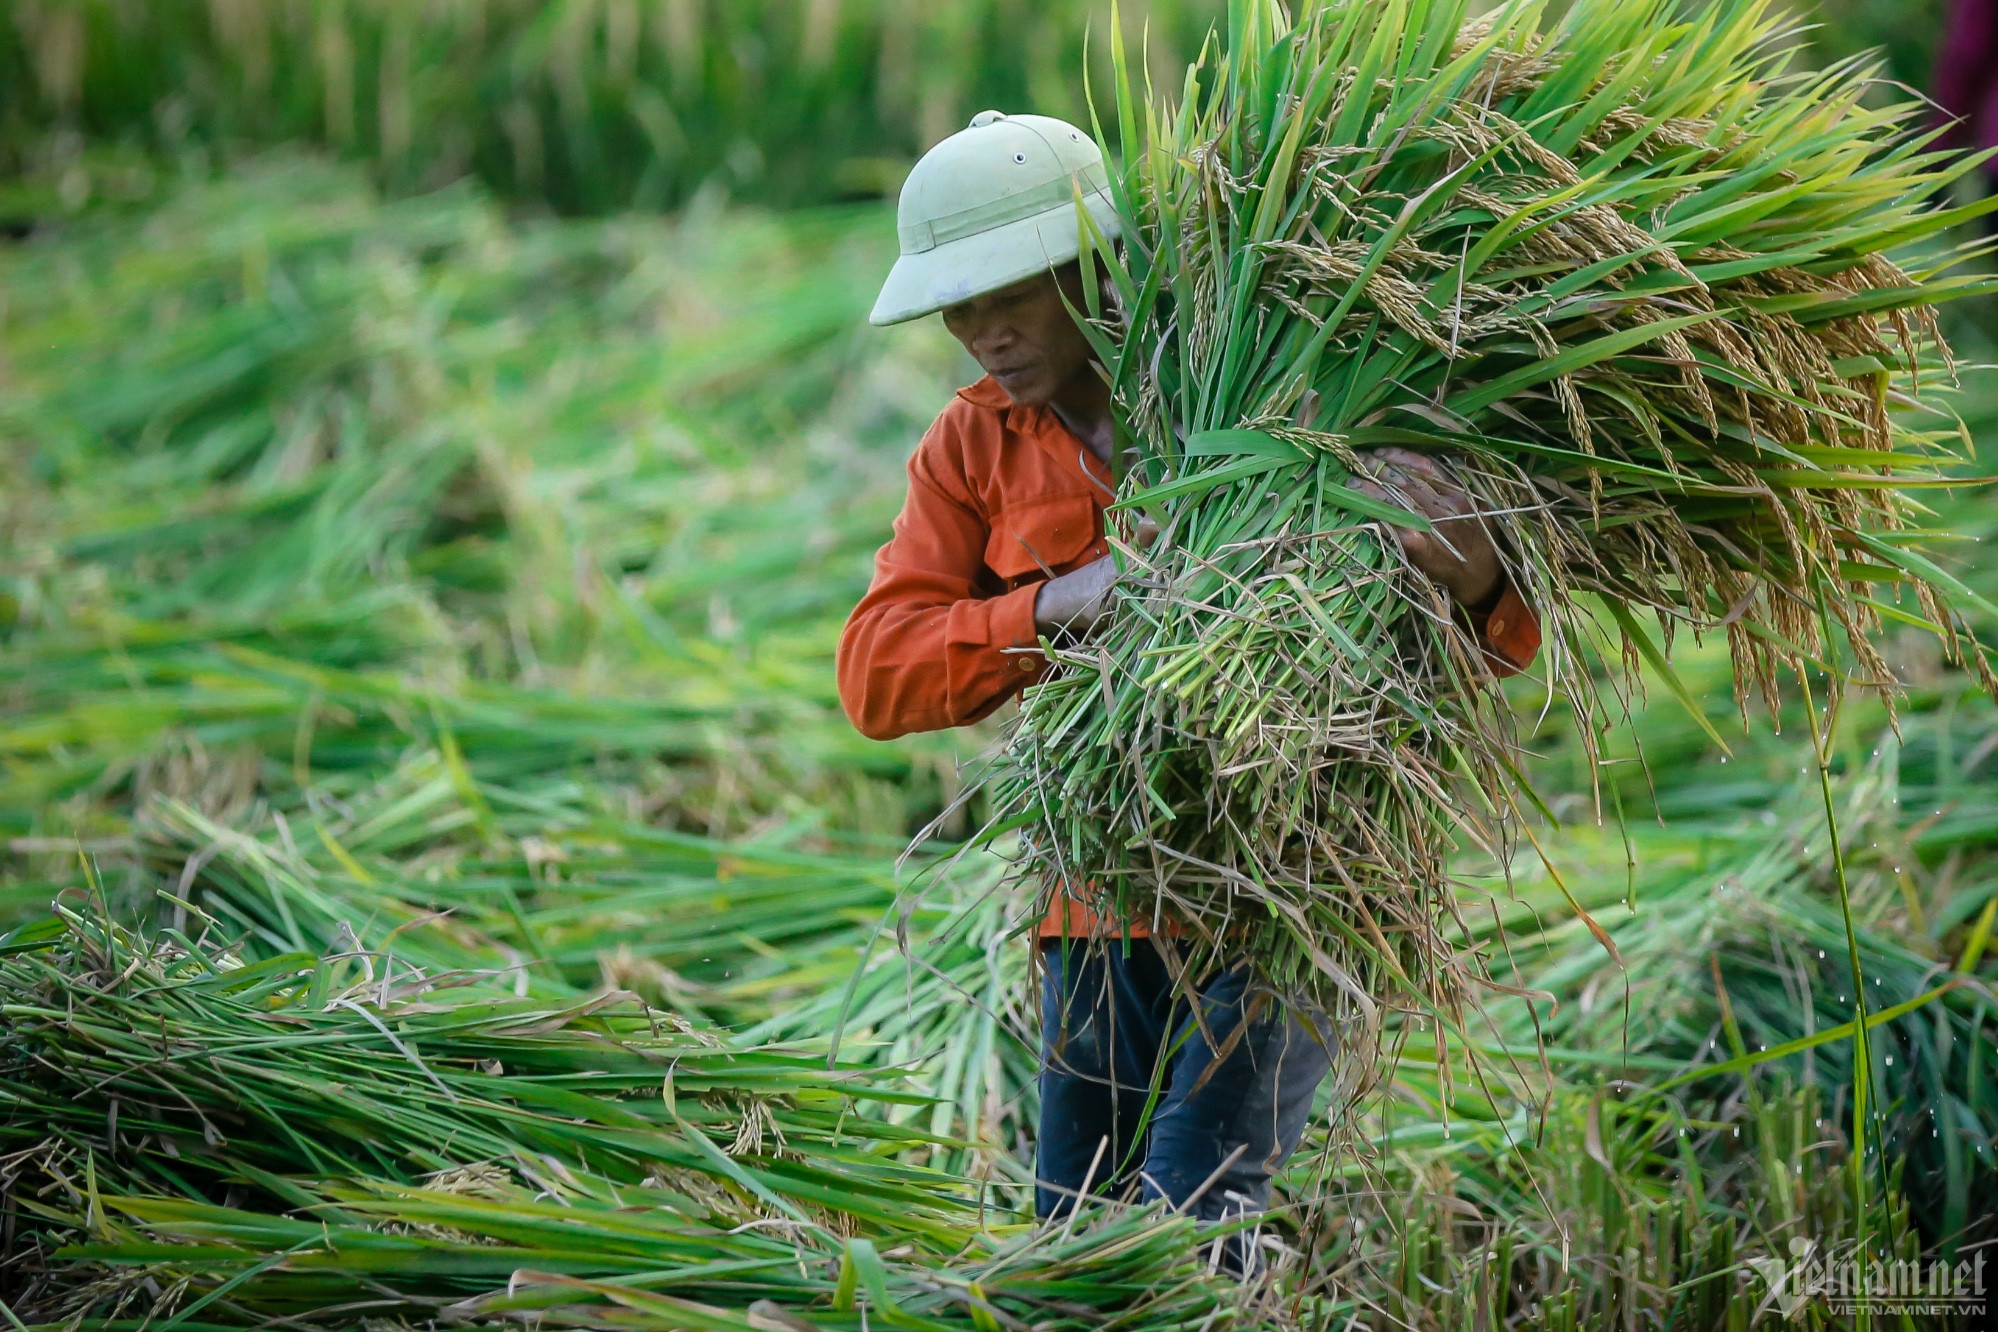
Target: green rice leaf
(1200, 483)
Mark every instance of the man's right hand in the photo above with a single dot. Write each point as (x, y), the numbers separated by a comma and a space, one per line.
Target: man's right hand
(1075, 601)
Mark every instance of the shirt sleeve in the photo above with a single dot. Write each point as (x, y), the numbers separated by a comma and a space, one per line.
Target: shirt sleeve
(1509, 633)
(925, 650)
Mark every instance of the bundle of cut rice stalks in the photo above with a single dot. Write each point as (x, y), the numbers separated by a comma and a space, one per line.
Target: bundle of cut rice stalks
(1626, 274)
(198, 1140)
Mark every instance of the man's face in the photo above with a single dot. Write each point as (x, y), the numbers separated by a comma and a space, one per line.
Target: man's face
(1024, 337)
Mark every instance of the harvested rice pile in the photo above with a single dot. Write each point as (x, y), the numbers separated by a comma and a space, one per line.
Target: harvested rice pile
(350, 1137)
(1627, 273)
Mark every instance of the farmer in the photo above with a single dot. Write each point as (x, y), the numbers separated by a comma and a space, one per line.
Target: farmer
(1001, 544)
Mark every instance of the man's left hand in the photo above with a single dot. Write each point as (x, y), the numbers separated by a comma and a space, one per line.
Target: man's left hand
(1458, 552)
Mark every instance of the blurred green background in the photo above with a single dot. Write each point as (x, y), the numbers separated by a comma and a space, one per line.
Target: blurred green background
(579, 105)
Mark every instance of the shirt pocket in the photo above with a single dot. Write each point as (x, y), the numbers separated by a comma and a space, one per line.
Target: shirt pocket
(1050, 532)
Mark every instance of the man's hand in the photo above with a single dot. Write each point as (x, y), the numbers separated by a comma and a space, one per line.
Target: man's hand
(1459, 552)
(1075, 601)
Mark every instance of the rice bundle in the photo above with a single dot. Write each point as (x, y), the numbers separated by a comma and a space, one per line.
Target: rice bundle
(188, 1138)
(1626, 274)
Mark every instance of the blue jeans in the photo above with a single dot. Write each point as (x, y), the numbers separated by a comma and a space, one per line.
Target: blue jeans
(1112, 1029)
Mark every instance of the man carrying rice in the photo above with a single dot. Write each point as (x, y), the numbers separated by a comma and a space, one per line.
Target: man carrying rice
(1001, 545)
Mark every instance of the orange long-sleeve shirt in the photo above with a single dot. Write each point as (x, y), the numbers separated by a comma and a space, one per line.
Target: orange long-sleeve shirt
(1002, 496)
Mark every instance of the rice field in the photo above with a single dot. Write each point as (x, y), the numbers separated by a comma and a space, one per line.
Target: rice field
(437, 885)
(577, 105)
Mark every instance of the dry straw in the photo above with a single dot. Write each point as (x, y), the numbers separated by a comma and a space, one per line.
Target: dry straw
(1626, 271)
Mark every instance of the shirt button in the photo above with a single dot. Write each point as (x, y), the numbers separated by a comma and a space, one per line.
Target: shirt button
(1026, 663)
(1495, 626)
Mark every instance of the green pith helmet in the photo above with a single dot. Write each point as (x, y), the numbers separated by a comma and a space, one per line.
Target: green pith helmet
(988, 206)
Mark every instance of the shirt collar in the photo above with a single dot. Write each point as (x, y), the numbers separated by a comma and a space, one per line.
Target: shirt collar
(986, 393)
(1042, 425)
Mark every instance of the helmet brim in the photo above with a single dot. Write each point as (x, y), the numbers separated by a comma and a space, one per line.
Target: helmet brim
(958, 270)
